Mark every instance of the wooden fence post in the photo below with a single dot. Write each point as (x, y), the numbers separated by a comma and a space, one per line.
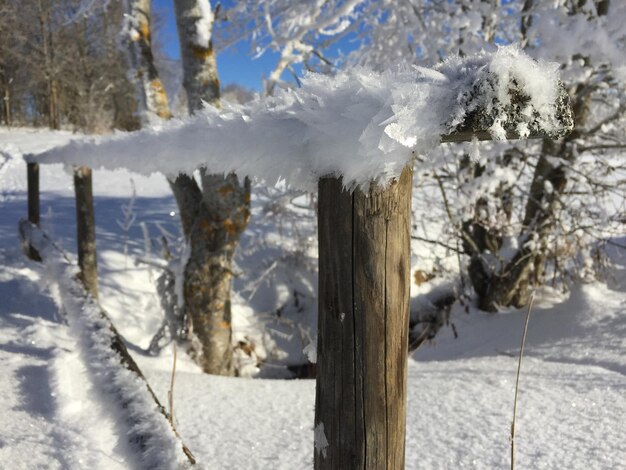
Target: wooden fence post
(86, 229)
(32, 178)
(363, 313)
(364, 282)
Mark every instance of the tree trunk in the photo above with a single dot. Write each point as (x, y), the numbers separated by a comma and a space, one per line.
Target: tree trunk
(213, 238)
(511, 284)
(150, 91)
(364, 281)
(53, 104)
(46, 42)
(200, 78)
(213, 217)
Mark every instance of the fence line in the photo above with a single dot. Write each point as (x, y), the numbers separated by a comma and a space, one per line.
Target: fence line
(364, 234)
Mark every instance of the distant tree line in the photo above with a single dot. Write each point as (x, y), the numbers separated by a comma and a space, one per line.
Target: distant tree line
(62, 68)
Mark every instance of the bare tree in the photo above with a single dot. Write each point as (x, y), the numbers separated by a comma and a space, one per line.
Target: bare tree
(153, 104)
(505, 282)
(213, 214)
(61, 67)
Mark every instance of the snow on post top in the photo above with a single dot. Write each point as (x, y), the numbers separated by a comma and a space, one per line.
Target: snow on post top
(359, 124)
(507, 95)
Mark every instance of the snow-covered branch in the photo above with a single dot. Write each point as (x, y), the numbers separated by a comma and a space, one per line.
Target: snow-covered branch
(293, 29)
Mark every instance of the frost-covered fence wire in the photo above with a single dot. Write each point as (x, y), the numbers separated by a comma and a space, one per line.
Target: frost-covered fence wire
(143, 419)
(361, 125)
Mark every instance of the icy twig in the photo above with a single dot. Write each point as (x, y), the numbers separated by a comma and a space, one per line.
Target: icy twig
(170, 393)
(519, 368)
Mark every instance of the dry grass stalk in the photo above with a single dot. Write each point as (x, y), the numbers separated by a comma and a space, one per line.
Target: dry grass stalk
(170, 393)
(519, 368)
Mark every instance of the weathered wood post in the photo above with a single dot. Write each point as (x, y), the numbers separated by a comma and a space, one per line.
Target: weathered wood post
(364, 281)
(32, 178)
(86, 229)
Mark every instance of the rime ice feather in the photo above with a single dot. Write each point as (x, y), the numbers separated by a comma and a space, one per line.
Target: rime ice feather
(360, 124)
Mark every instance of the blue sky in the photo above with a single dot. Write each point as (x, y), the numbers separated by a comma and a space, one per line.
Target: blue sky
(234, 65)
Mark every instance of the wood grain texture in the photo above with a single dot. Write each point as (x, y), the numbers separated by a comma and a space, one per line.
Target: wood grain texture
(339, 395)
(364, 280)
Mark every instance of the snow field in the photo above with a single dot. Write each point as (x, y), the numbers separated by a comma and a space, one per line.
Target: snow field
(51, 417)
(573, 390)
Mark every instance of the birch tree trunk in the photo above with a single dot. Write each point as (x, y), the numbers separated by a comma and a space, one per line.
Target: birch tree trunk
(214, 216)
(46, 40)
(150, 92)
(194, 20)
(221, 217)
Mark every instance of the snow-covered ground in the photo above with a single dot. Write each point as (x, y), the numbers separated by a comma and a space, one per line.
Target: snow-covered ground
(572, 402)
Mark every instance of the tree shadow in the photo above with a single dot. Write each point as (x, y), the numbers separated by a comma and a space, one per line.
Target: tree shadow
(35, 391)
